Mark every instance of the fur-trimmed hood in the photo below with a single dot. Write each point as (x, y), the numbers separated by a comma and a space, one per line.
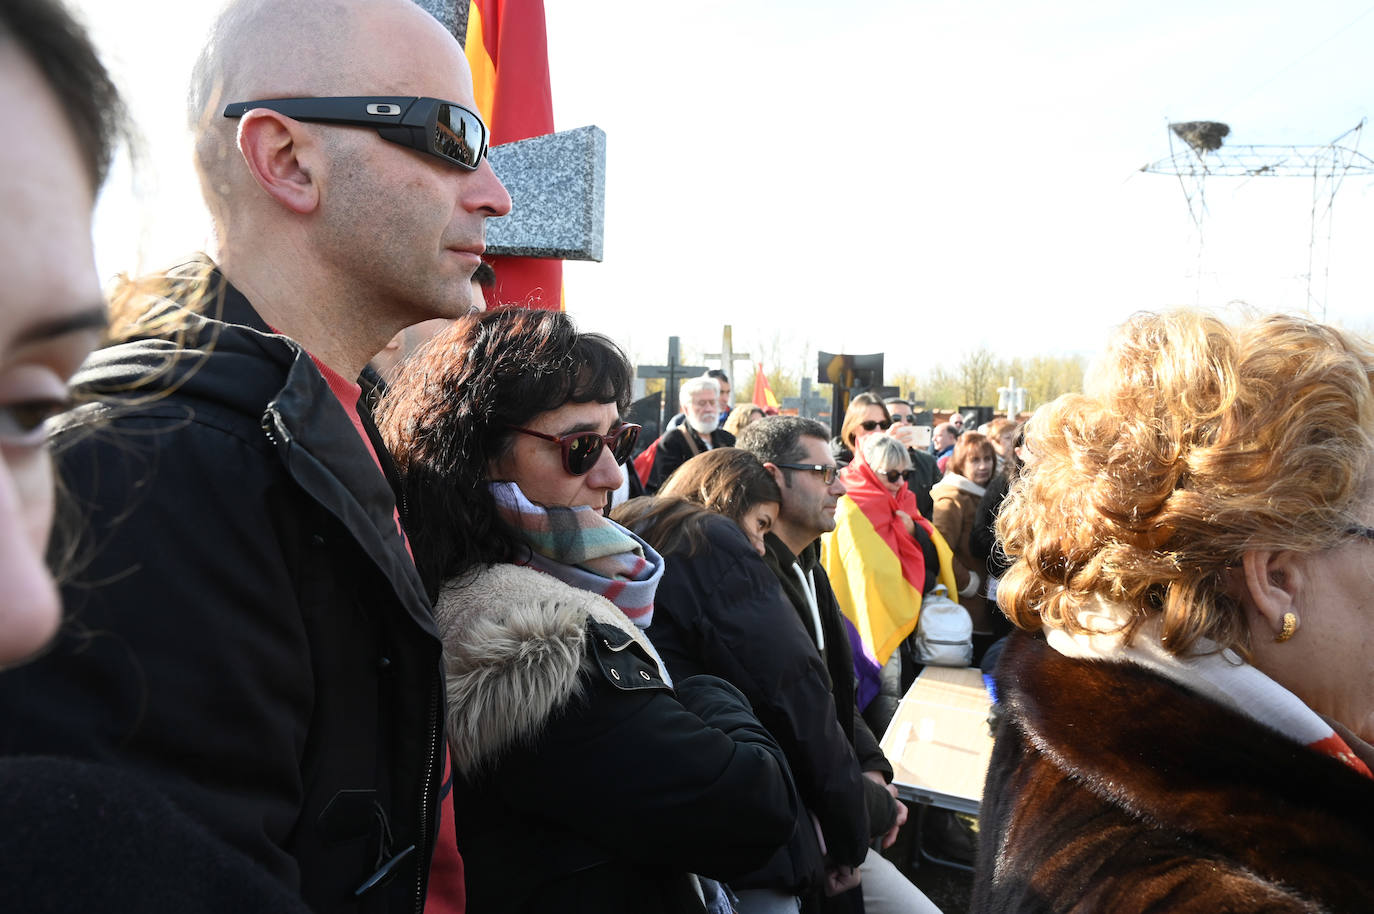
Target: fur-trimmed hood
(514, 647)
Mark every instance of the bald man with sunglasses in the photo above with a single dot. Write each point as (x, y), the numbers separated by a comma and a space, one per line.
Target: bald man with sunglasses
(251, 631)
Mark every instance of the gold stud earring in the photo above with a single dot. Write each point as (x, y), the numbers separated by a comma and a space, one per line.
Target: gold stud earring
(1290, 626)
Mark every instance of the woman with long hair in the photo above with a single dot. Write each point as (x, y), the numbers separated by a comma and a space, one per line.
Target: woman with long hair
(586, 777)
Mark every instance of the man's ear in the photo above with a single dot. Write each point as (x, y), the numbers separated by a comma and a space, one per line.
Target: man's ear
(1271, 582)
(279, 153)
(778, 476)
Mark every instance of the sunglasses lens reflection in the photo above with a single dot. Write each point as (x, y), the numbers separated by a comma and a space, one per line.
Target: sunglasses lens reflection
(459, 135)
(582, 453)
(624, 443)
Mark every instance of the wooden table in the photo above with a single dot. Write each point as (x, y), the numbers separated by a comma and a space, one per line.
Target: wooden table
(938, 741)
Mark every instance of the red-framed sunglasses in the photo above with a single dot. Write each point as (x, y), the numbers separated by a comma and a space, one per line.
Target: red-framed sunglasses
(582, 449)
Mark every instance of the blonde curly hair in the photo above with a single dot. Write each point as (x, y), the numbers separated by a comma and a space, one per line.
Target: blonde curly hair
(1195, 442)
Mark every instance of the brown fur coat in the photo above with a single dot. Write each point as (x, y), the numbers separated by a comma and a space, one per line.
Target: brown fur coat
(1112, 789)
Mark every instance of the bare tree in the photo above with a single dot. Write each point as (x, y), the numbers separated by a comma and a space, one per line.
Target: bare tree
(978, 376)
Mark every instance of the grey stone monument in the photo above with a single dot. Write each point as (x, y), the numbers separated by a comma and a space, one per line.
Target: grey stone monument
(557, 182)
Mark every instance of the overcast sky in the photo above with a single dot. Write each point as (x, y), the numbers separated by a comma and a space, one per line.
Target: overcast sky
(914, 178)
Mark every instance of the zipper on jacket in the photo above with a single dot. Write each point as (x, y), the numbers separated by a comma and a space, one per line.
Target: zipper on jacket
(421, 870)
(267, 425)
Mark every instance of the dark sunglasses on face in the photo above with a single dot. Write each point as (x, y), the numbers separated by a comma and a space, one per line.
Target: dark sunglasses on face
(893, 475)
(827, 470)
(443, 129)
(582, 449)
(871, 424)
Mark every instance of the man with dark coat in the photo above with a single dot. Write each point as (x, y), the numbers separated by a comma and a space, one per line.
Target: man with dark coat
(247, 629)
(698, 432)
(796, 453)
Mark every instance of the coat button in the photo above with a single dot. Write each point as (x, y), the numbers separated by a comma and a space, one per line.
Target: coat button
(615, 674)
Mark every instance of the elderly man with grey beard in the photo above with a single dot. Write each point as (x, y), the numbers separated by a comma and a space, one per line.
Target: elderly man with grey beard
(698, 433)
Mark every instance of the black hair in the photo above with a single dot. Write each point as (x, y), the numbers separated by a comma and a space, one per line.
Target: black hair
(484, 275)
(778, 439)
(448, 414)
(63, 53)
(718, 375)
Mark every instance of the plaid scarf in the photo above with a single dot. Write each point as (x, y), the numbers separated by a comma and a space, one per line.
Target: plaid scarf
(585, 549)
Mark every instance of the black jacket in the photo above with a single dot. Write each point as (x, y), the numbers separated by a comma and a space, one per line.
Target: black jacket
(674, 450)
(245, 626)
(582, 781)
(982, 539)
(1113, 789)
(720, 611)
(839, 662)
(83, 836)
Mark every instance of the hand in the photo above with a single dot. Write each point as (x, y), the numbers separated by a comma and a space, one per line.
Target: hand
(907, 522)
(907, 434)
(891, 837)
(840, 878)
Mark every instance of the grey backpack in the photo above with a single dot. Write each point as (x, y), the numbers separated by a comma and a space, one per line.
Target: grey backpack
(944, 633)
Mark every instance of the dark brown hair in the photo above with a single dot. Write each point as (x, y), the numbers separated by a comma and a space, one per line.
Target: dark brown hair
(62, 52)
(726, 481)
(448, 413)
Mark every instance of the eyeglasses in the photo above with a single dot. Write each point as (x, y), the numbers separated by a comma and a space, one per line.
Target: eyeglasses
(871, 424)
(827, 470)
(443, 129)
(893, 475)
(582, 449)
(1359, 530)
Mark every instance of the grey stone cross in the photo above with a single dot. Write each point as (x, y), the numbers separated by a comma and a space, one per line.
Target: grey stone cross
(557, 182)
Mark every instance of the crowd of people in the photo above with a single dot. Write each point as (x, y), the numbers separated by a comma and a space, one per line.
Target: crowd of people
(325, 588)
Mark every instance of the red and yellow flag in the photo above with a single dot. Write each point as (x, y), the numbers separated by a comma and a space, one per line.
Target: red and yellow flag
(507, 49)
(875, 567)
(763, 394)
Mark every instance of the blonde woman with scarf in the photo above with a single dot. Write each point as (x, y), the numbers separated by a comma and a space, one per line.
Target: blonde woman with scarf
(584, 779)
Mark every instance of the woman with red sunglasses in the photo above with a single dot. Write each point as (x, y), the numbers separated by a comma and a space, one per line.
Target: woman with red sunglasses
(585, 779)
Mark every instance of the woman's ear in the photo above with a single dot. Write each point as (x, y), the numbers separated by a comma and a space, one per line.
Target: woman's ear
(1270, 585)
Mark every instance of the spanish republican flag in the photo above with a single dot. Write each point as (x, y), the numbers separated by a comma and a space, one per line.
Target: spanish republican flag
(763, 394)
(507, 49)
(875, 567)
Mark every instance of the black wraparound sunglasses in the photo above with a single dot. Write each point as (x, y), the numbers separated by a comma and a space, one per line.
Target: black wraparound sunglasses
(871, 424)
(582, 449)
(444, 129)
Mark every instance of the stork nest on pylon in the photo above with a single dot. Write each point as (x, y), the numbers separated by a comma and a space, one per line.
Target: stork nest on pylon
(1202, 136)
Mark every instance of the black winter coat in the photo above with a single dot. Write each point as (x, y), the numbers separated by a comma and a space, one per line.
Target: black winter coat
(839, 662)
(83, 836)
(720, 611)
(674, 450)
(583, 783)
(1114, 789)
(245, 628)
